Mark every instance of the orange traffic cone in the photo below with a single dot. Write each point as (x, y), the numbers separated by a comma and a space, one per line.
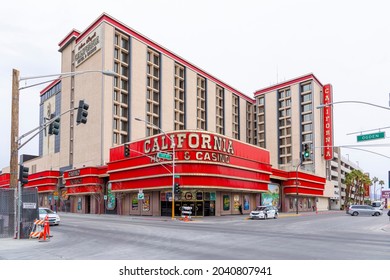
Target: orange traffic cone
(46, 230)
(47, 226)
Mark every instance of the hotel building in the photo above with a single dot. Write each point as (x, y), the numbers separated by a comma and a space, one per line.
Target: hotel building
(228, 149)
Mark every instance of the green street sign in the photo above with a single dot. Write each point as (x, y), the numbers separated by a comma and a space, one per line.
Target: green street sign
(371, 136)
(177, 176)
(164, 156)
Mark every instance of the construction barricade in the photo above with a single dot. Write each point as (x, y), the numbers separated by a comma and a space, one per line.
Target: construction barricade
(41, 229)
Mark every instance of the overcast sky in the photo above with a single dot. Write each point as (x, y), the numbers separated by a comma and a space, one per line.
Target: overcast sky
(247, 44)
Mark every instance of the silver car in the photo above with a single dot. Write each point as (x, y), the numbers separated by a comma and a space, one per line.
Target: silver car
(355, 210)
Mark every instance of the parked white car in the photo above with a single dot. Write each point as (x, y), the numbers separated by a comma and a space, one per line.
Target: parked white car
(264, 212)
(54, 218)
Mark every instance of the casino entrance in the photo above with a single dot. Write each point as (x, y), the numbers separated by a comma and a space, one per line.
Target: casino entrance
(202, 203)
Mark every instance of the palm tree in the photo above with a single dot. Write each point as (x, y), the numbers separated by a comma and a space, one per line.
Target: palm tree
(349, 182)
(365, 181)
(355, 182)
(381, 183)
(374, 181)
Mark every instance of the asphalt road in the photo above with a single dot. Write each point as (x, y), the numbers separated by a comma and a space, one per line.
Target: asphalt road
(326, 236)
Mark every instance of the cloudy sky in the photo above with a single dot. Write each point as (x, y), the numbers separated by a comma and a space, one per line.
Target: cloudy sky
(249, 44)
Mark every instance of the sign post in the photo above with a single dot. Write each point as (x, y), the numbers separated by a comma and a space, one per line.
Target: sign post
(371, 136)
(164, 156)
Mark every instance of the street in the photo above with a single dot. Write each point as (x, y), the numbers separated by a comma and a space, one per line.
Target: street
(323, 236)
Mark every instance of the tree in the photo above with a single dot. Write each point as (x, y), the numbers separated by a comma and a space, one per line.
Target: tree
(365, 181)
(374, 181)
(349, 182)
(381, 183)
(355, 182)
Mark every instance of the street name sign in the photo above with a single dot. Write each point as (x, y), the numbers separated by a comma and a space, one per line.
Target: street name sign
(371, 136)
(164, 156)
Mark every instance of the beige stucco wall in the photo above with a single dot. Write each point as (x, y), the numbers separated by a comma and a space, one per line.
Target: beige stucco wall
(271, 124)
(191, 99)
(211, 109)
(228, 113)
(243, 119)
(138, 89)
(167, 93)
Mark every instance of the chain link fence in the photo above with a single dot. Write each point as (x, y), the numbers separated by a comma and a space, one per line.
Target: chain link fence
(7, 212)
(28, 212)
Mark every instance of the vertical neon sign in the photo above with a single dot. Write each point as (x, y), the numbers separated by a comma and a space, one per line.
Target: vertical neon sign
(328, 122)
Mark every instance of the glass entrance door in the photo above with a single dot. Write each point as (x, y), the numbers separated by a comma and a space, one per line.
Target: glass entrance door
(198, 209)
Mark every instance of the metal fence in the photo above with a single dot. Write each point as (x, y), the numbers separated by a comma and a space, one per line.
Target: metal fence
(28, 212)
(7, 212)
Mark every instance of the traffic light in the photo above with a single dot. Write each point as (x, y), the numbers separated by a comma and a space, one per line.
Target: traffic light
(177, 188)
(54, 127)
(126, 150)
(23, 174)
(306, 152)
(82, 112)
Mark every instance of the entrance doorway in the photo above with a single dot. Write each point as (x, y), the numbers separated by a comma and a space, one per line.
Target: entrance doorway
(199, 208)
(202, 203)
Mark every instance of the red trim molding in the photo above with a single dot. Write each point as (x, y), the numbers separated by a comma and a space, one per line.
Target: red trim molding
(71, 35)
(52, 84)
(85, 180)
(5, 179)
(45, 181)
(288, 83)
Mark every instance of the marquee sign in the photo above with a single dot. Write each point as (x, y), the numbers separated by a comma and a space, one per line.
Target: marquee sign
(328, 122)
(201, 159)
(88, 46)
(199, 146)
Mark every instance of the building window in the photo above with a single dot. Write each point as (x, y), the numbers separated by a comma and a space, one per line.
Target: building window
(249, 123)
(284, 108)
(260, 125)
(121, 87)
(219, 110)
(201, 103)
(153, 92)
(235, 117)
(179, 109)
(306, 95)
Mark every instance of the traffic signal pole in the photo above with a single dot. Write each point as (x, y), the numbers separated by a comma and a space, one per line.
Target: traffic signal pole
(14, 145)
(297, 183)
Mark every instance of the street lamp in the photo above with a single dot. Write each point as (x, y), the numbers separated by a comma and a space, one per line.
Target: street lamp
(14, 147)
(15, 110)
(351, 101)
(173, 145)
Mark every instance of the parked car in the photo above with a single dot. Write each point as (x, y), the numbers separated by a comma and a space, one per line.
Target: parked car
(54, 218)
(264, 212)
(355, 210)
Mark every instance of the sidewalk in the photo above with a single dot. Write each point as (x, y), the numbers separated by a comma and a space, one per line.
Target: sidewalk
(224, 218)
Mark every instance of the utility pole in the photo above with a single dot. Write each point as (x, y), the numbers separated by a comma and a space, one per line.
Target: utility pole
(14, 144)
(14, 130)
